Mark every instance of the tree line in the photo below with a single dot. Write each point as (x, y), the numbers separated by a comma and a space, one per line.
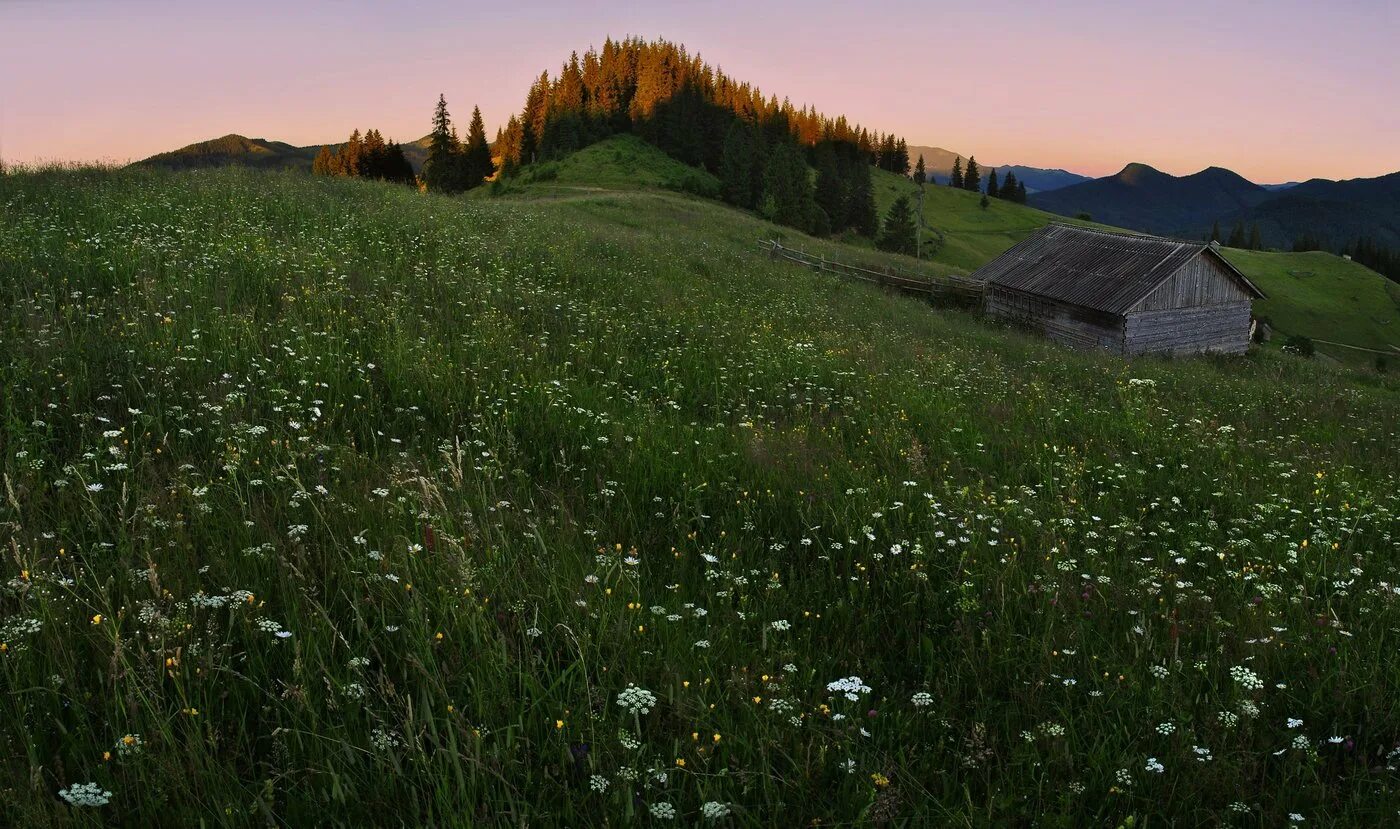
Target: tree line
(452, 165)
(1008, 189)
(1253, 240)
(1366, 250)
(367, 156)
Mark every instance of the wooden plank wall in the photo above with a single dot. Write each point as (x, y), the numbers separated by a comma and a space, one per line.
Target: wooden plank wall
(1222, 329)
(1066, 324)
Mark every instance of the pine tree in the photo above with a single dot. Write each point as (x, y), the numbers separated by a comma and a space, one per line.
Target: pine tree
(993, 189)
(787, 191)
(956, 180)
(920, 176)
(324, 164)
(898, 234)
(1020, 192)
(1256, 240)
(441, 169)
(1214, 232)
(860, 202)
(972, 177)
(396, 166)
(1237, 238)
(348, 160)
(738, 168)
(830, 191)
(477, 155)
(986, 202)
(1008, 187)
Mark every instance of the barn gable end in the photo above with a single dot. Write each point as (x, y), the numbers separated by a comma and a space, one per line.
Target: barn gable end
(1204, 280)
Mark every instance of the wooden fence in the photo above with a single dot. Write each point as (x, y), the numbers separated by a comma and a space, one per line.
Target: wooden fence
(959, 288)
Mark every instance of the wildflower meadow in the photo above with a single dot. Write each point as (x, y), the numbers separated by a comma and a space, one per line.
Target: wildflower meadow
(326, 502)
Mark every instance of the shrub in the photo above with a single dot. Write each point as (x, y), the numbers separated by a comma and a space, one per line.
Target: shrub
(1299, 344)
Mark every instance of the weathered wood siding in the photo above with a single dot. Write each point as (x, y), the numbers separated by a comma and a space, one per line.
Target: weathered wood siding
(1200, 282)
(1221, 328)
(1061, 322)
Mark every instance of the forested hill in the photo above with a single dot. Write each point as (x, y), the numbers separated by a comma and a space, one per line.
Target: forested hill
(760, 147)
(238, 151)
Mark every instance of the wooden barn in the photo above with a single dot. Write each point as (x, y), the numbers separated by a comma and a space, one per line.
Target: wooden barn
(1124, 292)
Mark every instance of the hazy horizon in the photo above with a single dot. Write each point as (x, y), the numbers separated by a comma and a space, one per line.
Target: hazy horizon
(1275, 93)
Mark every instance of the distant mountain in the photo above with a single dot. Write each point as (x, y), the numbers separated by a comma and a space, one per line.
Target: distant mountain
(234, 150)
(1040, 179)
(1142, 198)
(938, 162)
(237, 150)
(1337, 212)
(1272, 188)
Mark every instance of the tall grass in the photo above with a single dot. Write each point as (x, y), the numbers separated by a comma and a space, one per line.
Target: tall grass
(326, 502)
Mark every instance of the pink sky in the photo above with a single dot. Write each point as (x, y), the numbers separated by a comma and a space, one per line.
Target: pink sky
(1275, 90)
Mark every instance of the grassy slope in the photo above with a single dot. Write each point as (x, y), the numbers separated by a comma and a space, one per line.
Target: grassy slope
(973, 236)
(623, 162)
(1327, 297)
(485, 462)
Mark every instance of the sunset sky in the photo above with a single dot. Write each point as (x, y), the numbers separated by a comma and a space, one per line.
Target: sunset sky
(1275, 89)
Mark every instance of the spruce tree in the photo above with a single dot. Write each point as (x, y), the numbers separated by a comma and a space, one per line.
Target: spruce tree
(993, 189)
(920, 176)
(1237, 237)
(787, 192)
(477, 155)
(1256, 240)
(738, 164)
(956, 180)
(830, 191)
(972, 177)
(324, 164)
(441, 169)
(1020, 192)
(350, 156)
(1214, 232)
(898, 234)
(860, 203)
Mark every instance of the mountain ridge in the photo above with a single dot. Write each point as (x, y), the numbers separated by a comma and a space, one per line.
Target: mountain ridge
(1143, 198)
(239, 150)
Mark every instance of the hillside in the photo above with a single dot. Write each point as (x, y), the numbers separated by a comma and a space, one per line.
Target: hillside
(1327, 298)
(1335, 211)
(577, 511)
(1315, 294)
(234, 150)
(237, 151)
(622, 162)
(972, 236)
(1142, 198)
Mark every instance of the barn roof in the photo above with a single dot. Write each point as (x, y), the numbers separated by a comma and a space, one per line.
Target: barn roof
(1099, 269)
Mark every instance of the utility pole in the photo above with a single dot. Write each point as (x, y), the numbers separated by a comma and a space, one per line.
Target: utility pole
(919, 228)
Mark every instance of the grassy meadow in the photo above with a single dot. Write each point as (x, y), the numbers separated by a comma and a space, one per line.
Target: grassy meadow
(326, 502)
(1327, 297)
